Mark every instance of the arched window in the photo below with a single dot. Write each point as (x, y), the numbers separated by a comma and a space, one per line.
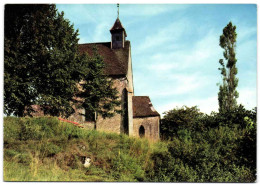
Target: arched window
(125, 112)
(141, 131)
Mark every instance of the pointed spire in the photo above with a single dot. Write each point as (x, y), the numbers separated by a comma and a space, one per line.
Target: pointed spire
(118, 10)
(118, 26)
(118, 33)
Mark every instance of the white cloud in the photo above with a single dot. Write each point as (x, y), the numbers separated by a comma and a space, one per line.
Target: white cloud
(78, 13)
(181, 73)
(149, 9)
(185, 83)
(163, 66)
(244, 32)
(206, 105)
(99, 18)
(101, 32)
(204, 52)
(246, 51)
(179, 84)
(166, 35)
(247, 97)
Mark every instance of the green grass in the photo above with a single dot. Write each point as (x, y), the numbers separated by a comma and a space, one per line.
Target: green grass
(45, 149)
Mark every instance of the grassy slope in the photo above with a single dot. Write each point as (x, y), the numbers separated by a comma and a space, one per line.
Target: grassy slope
(45, 149)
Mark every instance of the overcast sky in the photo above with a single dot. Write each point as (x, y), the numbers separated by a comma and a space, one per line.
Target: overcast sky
(175, 48)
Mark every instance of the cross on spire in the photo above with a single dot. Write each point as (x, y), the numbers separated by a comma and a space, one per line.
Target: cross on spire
(117, 10)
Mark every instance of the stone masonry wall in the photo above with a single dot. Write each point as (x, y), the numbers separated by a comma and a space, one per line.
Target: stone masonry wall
(113, 124)
(116, 123)
(151, 127)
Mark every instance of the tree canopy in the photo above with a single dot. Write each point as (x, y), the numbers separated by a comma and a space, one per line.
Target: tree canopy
(178, 119)
(42, 64)
(207, 148)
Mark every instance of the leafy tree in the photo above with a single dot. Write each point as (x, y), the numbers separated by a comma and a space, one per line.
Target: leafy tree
(40, 60)
(220, 147)
(178, 119)
(97, 93)
(18, 89)
(227, 91)
(42, 65)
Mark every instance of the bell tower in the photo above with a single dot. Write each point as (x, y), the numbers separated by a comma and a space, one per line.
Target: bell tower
(118, 33)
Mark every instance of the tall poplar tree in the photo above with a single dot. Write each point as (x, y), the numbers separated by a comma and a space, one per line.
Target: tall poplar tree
(227, 91)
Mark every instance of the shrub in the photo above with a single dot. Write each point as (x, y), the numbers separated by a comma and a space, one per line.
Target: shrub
(11, 129)
(180, 118)
(213, 153)
(126, 168)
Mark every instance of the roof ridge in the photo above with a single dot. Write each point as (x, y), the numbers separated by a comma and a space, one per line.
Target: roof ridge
(99, 42)
(94, 43)
(116, 60)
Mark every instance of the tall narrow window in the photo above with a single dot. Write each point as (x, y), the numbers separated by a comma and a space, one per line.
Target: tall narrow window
(89, 116)
(141, 131)
(125, 111)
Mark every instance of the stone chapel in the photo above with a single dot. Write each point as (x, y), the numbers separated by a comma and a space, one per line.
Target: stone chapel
(139, 119)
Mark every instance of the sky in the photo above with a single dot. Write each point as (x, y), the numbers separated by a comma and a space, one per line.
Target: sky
(175, 48)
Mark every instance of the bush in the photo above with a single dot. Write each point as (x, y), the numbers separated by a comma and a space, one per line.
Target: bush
(126, 168)
(30, 128)
(180, 118)
(208, 148)
(11, 129)
(208, 152)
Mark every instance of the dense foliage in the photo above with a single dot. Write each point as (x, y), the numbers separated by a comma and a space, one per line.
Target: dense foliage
(42, 64)
(227, 90)
(45, 149)
(220, 147)
(179, 120)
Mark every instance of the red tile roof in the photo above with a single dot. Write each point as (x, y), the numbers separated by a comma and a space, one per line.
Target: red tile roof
(142, 107)
(116, 60)
(118, 26)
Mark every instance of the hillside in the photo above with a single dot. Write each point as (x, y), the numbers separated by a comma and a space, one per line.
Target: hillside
(46, 149)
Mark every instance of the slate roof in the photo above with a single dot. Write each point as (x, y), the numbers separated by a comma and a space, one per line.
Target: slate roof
(142, 107)
(118, 26)
(116, 60)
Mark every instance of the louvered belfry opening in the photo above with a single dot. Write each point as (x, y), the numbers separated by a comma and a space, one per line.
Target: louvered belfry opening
(118, 35)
